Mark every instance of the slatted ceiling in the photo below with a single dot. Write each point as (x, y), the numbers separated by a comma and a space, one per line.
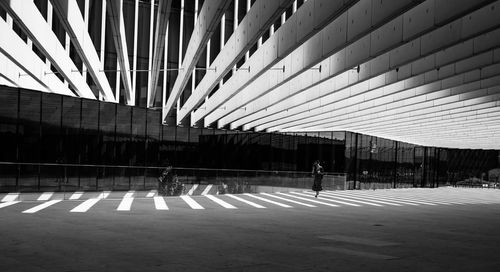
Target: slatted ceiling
(408, 69)
(392, 114)
(281, 52)
(422, 71)
(336, 94)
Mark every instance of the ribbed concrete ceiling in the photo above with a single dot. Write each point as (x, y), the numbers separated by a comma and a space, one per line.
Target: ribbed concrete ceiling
(424, 72)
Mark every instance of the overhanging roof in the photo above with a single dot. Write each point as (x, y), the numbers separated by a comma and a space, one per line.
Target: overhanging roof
(424, 72)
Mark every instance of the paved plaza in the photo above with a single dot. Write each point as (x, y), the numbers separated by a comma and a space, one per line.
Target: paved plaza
(444, 229)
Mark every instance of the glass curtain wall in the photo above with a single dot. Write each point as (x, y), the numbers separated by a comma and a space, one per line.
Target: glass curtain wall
(372, 162)
(109, 146)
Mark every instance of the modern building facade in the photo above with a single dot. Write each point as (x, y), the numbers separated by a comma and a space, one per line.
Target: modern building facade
(404, 93)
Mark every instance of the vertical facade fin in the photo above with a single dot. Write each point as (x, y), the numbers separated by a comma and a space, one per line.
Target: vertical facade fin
(162, 18)
(115, 15)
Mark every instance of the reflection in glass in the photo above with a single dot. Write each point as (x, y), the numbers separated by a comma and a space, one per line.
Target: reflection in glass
(29, 126)
(8, 123)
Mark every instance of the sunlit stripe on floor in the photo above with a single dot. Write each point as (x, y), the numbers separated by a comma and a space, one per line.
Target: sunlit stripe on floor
(10, 197)
(76, 195)
(126, 202)
(8, 203)
(151, 193)
(470, 197)
(397, 197)
(371, 199)
(221, 202)
(351, 200)
(464, 198)
(42, 206)
(447, 199)
(415, 194)
(269, 201)
(104, 194)
(86, 205)
(160, 203)
(391, 199)
(191, 191)
(474, 197)
(246, 201)
(378, 199)
(437, 200)
(310, 200)
(207, 189)
(129, 193)
(193, 204)
(45, 196)
(419, 199)
(330, 200)
(289, 200)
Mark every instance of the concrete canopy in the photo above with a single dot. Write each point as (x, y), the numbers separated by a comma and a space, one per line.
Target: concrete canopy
(424, 72)
(420, 71)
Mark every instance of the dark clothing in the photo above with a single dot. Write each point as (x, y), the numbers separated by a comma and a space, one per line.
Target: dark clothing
(164, 181)
(318, 178)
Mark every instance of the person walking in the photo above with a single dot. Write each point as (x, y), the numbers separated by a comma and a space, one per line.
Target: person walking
(317, 172)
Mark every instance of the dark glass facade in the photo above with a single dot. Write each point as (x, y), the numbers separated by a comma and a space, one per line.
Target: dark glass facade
(373, 162)
(110, 146)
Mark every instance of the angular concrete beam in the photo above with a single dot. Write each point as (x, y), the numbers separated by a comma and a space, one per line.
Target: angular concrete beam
(71, 18)
(316, 92)
(472, 123)
(429, 100)
(256, 22)
(34, 25)
(445, 107)
(23, 67)
(330, 37)
(423, 87)
(423, 18)
(357, 21)
(409, 76)
(312, 16)
(115, 15)
(433, 117)
(12, 75)
(209, 18)
(464, 123)
(163, 16)
(472, 118)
